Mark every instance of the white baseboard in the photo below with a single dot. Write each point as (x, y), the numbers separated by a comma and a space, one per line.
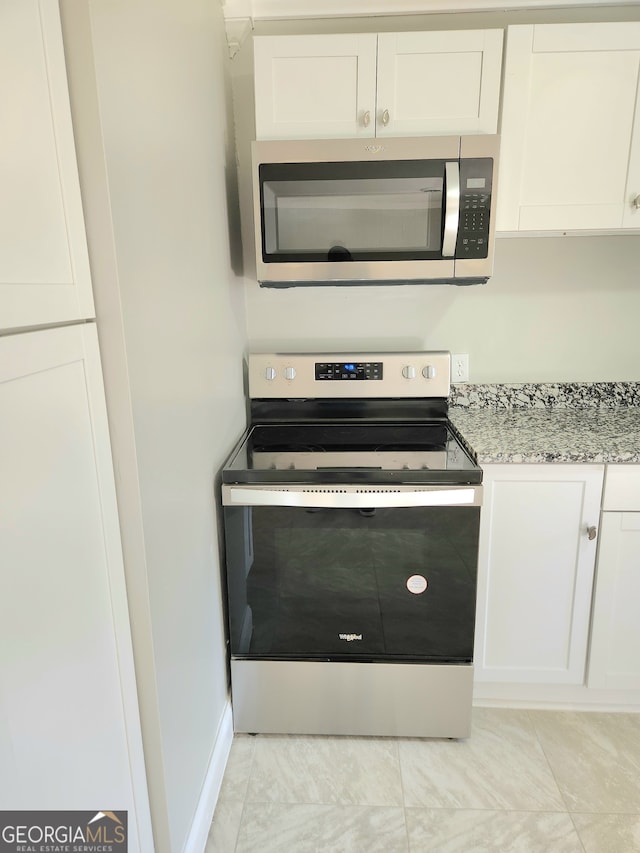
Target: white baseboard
(199, 832)
(556, 697)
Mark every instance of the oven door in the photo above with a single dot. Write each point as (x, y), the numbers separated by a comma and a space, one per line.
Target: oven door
(352, 573)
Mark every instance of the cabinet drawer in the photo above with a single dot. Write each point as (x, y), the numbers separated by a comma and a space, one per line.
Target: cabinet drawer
(622, 488)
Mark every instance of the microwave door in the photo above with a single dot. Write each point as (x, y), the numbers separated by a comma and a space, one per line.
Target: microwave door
(355, 223)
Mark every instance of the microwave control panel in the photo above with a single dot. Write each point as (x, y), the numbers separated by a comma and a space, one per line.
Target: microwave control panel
(475, 207)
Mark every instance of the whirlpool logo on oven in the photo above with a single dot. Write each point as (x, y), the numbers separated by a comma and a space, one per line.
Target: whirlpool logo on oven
(350, 637)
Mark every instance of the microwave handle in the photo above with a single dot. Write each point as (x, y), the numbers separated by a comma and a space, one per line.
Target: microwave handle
(452, 208)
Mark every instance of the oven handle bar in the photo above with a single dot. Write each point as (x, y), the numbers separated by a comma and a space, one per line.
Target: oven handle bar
(343, 498)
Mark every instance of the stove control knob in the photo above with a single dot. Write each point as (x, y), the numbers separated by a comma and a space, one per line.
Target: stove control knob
(429, 372)
(409, 372)
(289, 373)
(270, 373)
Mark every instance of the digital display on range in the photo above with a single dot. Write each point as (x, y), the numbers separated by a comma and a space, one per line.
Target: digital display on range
(348, 370)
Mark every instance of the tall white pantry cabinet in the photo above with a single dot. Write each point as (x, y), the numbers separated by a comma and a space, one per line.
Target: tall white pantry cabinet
(69, 723)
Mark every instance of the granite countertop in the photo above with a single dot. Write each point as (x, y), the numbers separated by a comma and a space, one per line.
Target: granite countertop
(578, 422)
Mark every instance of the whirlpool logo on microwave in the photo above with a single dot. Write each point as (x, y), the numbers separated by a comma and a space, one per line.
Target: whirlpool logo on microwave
(350, 637)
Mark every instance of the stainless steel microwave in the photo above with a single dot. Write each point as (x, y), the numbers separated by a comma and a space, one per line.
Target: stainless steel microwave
(362, 211)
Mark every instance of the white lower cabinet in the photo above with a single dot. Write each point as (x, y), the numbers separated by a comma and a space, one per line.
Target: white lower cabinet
(537, 557)
(614, 660)
(69, 725)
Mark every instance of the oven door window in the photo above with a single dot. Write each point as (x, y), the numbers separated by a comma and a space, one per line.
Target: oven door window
(348, 584)
(352, 211)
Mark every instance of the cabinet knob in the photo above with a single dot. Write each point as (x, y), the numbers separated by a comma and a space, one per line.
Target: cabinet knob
(636, 202)
(385, 117)
(366, 118)
(592, 532)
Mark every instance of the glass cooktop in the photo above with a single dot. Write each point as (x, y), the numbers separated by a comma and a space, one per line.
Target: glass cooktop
(416, 452)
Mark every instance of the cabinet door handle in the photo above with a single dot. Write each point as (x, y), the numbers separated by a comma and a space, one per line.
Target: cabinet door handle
(636, 202)
(592, 532)
(366, 118)
(385, 118)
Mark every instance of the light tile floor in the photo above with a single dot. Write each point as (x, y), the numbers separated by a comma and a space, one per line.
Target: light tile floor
(525, 781)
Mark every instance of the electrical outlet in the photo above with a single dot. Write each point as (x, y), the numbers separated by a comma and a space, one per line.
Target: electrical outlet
(460, 367)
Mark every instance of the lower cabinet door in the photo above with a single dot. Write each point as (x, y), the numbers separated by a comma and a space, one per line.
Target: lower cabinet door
(535, 575)
(614, 660)
(69, 726)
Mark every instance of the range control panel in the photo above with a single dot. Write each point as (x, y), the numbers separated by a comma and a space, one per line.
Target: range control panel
(339, 370)
(349, 375)
(475, 207)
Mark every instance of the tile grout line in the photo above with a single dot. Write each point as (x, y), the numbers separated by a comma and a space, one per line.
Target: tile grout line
(549, 765)
(577, 832)
(240, 822)
(552, 771)
(404, 803)
(254, 739)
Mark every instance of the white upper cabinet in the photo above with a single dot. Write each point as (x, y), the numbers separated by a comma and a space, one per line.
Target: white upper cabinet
(44, 266)
(438, 82)
(391, 84)
(309, 87)
(570, 151)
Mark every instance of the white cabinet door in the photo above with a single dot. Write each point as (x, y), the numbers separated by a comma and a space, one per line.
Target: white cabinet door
(570, 147)
(314, 87)
(535, 572)
(614, 660)
(69, 726)
(391, 84)
(438, 82)
(44, 266)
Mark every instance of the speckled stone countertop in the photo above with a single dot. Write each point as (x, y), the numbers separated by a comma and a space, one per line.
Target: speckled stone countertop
(561, 422)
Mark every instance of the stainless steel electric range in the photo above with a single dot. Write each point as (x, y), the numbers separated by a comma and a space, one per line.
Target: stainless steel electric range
(351, 514)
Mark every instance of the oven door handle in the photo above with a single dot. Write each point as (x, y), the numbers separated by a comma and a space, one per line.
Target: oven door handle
(346, 499)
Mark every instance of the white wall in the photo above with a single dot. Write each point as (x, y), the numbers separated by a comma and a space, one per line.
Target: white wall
(556, 309)
(155, 145)
(561, 308)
